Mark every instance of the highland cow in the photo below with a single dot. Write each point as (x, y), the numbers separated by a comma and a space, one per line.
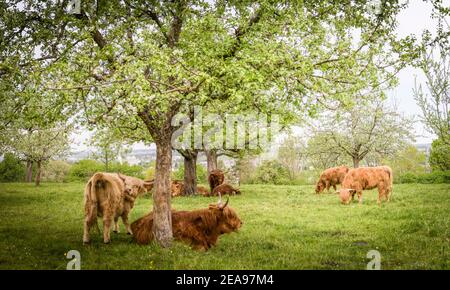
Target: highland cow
(331, 177)
(199, 228)
(215, 178)
(202, 190)
(110, 195)
(177, 188)
(225, 188)
(363, 178)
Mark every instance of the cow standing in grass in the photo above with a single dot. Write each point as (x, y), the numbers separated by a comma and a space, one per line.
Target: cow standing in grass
(199, 228)
(111, 195)
(363, 178)
(331, 177)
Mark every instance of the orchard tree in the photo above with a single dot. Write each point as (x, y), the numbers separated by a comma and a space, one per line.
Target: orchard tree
(107, 147)
(368, 127)
(39, 146)
(321, 155)
(292, 155)
(439, 155)
(435, 101)
(408, 160)
(136, 64)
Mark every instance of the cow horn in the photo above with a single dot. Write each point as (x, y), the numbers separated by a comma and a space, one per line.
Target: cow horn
(226, 203)
(219, 203)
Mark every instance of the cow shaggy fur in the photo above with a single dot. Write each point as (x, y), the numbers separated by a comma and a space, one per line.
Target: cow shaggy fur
(215, 178)
(363, 178)
(331, 177)
(224, 189)
(199, 228)
(110, 196)
(202, 190)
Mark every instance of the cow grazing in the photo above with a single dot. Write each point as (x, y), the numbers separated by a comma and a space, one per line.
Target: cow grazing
(110, 195)
(225, 188)
(215, 178)
(359, 179)
(331, 177)
(199, 228)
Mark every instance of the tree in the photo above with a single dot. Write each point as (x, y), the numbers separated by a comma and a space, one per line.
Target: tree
(439, 155)
(108, 147)
(11, 169)
(408, 160)
(291, 154)
(435, 106)
(39, 146)
(367, 127)
(135, 64)
(321, 155)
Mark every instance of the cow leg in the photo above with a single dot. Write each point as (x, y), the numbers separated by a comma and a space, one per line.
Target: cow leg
(381, 192)
(125, 222)
(359, 197)
(327, 185)
(87, 227)
(107, 220)
(334, 187)
(116, 224)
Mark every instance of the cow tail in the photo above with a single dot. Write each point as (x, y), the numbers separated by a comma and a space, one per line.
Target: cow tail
(91, 202)
(391, 178)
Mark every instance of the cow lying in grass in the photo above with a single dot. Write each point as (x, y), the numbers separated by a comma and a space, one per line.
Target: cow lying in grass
(363, 178)
(110, 195)
(224, 189)
(178, 189)
(331, 177)
(199, 228)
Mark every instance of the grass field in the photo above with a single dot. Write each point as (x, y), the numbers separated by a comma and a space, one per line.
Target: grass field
(285, 227)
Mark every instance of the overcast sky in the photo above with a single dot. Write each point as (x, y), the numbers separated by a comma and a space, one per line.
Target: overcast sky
(412, 20)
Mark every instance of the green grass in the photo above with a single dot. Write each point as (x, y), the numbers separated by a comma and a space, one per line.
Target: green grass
(285, 227)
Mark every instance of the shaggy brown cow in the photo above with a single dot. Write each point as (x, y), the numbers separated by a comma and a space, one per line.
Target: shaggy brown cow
(202, 190)
(177, 188)
(331, 177)
(199, 228)
(363, 178)
(110, 195)
(215, 178)
(225, 188)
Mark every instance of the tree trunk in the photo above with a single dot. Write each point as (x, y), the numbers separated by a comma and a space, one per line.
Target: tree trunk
(190, 173)
(211, 159)
(38, 174)
(162, 214)
(355, 162)
(29, 173)
(106, 160)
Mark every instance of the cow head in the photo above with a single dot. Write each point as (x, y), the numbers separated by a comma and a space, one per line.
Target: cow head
(227, 219)
(346, 195)
(135, 187)
(319, 186)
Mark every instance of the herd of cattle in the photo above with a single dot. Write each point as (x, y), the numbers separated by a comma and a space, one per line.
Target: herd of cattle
(111, 196)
